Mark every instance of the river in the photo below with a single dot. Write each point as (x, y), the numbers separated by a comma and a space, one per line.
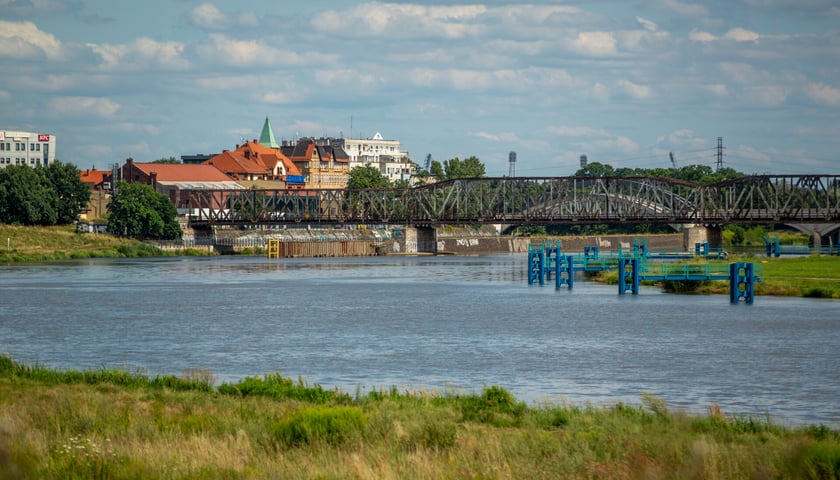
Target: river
(445, 323)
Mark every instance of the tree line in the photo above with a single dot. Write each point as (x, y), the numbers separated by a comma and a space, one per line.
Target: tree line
(44, 196)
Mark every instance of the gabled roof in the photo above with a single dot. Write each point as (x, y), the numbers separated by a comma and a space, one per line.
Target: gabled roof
(93, 177)
(236, 163)
(175, 172)
(267, 135)
(270, 156)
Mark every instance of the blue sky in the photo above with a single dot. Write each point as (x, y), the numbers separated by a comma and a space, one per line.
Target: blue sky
(624, 82)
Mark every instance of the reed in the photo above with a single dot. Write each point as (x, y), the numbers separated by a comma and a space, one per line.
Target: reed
(104, 424)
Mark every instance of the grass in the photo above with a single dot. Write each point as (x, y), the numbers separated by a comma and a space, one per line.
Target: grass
(813, 276)
(106, 424)
(20, 244)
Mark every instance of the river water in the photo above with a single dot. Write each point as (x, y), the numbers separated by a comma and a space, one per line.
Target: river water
(442, 323)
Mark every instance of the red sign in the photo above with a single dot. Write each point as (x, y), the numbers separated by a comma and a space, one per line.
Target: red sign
(43, 137)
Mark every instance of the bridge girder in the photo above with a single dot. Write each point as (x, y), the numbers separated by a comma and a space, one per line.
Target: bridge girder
(535, 201)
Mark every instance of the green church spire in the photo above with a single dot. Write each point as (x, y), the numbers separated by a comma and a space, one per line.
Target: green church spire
(267, 136)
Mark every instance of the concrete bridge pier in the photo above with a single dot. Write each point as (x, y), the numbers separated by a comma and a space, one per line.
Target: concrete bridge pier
(419, 240)
(694, 234)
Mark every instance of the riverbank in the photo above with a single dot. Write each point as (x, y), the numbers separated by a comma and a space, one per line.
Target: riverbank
(811, 277)
(20, 244)
(113, 424)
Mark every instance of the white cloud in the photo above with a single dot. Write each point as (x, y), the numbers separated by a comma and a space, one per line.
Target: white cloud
(822, 93)
(742, 35)
(639, 92)
(564, 131)
(717, 89)
(684, 9)
(682, 139)
(208, 16)
(647, 24)
(26, 40)
(594, 43)
(83, 106)
(507, 137)
(243, 53)
(401, 20)
(702, 37)
(142, 54)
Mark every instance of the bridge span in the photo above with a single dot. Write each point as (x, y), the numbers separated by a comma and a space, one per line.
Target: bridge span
(763, 199)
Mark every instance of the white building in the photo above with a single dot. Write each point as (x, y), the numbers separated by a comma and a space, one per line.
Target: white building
(26, 148)
(380, 153)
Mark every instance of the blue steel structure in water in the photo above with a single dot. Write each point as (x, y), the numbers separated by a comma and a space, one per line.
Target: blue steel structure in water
(547, 260)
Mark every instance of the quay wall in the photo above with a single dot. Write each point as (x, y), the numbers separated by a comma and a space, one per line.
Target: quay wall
(355, 242)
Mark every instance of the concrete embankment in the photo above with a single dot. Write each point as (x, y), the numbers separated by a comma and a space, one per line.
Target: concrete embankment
(354, 242)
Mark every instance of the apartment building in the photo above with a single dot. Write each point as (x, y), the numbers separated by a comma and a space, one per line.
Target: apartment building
(26, 148)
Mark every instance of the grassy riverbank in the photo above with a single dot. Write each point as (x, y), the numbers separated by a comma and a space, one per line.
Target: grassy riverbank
(40, 244)
(813, 276)
(112, 424)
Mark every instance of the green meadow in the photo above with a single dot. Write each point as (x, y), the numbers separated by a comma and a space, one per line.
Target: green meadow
(115, 424)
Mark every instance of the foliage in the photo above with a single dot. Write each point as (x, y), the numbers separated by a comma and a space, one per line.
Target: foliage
(456, 168)
(70, 193)
(700, 174)
(332, 425)
(51, 195)
(277, 386)
(171, 160)
(361, 178)
(115, 425)
(136, 210)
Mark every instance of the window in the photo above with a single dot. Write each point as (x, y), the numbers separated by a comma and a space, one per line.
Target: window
(37, 147)
(31, 147)
(2, 146)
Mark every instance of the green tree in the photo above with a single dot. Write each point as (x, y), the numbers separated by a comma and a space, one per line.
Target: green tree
(468, 168)
(26, 197)
(436, 169)
(167, 160)
(596, 169)
(368, 176)
(70, 193)
(136, 210)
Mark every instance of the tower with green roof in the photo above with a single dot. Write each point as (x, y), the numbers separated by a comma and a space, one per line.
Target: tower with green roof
(267, 136)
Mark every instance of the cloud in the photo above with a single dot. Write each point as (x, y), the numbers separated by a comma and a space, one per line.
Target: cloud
(83, 107)
(141, 54)
(741, 35)
(244, 53)
(634, 90)
(507, 137)
(647, 24)
(25, 40)
(823, 94)
(208, 16)
(702, 37)
(683, 9)
(33, 8)
(564, 131)
(594, 43)
(402, 20)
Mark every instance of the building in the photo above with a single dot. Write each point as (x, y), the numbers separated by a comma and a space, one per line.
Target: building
(322, 166)
(100, 192)
(254, 164)
(26, 148)
(380, 153)
(172, 179)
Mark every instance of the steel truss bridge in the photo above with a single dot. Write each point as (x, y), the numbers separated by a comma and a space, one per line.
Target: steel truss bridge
(533, 201)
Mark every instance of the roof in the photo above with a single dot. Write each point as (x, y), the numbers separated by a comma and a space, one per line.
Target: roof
(176, 172)
(236, 163)
(267, 135)
(93, 177)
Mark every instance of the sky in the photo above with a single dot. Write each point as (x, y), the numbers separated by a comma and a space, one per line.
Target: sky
(624, 82)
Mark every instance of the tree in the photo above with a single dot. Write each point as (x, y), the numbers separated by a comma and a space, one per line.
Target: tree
(26, 197)
(167, 160)
(596, 169)
(136, 210)
(368, 176)
(70, 193)
(468, 168)
(436, 169)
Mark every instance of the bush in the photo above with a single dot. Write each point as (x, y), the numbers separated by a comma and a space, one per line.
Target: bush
(495, 406)
(276, 386)
(333, 425)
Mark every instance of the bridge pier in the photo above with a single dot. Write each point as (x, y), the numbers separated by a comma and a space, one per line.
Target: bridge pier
(694, 234)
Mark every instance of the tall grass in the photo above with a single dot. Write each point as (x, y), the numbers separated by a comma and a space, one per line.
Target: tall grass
(106, 424)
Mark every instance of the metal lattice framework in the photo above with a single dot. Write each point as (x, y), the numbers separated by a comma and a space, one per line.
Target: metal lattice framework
(531, 200)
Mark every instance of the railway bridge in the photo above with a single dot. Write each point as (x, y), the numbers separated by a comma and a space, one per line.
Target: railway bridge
(808, 202)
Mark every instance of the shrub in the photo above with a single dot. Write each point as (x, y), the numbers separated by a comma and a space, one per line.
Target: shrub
(333, 425)
(276, 386)
(495, 406)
